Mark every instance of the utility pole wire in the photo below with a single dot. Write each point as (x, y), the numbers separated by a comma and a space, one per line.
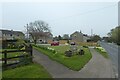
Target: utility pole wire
(83, 13)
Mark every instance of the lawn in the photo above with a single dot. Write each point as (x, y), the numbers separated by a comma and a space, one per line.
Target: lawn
(29, 71)
(76, 62)
(0, 56)
(102, 52)
(11, 54)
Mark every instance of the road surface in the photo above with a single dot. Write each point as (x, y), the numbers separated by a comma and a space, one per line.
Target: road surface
(112, 50)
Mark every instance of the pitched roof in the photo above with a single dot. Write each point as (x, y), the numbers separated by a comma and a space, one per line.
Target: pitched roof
(11, 32)
(48, 33)
(76, 32)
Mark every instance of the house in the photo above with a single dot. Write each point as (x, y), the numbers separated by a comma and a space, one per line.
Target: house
(47, 37)
(10, 34)
(66, 36)
(79, 37)
(85, 38)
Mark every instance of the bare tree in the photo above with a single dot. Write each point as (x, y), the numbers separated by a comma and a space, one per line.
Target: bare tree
(37, 29)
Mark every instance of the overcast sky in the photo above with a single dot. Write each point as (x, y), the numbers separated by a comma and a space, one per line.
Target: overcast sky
(62, 17)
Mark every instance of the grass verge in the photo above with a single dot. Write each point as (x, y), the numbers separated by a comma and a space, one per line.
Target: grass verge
(104, 54)
(29, 71)
(76, 62)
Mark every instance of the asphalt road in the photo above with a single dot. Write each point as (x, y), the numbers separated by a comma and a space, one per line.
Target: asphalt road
(112, 50)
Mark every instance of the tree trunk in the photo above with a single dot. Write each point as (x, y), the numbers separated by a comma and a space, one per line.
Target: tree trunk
(35, 41)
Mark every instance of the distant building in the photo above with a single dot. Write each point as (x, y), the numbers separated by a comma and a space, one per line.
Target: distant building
(47, 37)
(79, 37)
(85, 38)
(66, 36)
(10, 34)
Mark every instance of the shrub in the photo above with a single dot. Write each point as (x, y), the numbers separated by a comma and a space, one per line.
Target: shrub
(68, 53)
(25, 60)
(85, 46)
(81, 52)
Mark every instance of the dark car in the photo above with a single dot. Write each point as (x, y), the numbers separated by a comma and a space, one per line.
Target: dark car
(72, 43)
(55, 43)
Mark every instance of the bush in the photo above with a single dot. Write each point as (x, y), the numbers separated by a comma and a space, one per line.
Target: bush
(85, 46)
(68, 53)
(81, 52)
(25, 60)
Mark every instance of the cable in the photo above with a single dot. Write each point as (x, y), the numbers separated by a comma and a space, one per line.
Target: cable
(83, 13)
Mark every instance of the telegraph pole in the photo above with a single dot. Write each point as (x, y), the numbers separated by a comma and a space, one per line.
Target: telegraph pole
(91, 32)
(27, 34)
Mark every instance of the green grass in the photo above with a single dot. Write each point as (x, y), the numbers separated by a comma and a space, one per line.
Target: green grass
(29, 71)
(76, 62)
(12, 54)
(60, 49)
(103, 53)
(0, 56)
(6, 49)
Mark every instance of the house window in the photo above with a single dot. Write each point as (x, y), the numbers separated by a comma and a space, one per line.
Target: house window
(75, 36)
(4, 35)
(40, 40)
(10, 34)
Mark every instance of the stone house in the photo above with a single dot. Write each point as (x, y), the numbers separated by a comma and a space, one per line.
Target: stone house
(79, 37)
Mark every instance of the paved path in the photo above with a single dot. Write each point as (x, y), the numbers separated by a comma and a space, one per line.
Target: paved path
(97, 67)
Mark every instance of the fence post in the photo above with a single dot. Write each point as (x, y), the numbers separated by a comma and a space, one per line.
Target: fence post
(5, 59)
(30, 49)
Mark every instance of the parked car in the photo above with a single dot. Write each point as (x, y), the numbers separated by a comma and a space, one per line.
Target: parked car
(55, 43)
(72, 43)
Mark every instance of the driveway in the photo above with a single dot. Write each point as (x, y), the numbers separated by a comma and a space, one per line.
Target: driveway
(97, 67)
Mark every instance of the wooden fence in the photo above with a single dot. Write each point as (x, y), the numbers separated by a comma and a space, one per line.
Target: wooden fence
(5, 59)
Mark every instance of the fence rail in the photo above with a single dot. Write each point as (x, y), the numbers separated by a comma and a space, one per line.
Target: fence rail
(5, 59)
